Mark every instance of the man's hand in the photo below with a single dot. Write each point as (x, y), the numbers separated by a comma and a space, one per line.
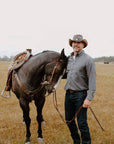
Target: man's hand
(86, 103)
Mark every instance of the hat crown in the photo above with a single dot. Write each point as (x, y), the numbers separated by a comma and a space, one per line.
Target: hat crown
(78, 38)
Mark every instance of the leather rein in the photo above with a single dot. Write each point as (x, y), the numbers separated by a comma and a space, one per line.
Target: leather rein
(76, 114)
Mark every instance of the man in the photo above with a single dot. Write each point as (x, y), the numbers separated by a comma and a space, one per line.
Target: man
(81, 76)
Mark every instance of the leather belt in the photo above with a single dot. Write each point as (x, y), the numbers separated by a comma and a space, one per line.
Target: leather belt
(72, 91)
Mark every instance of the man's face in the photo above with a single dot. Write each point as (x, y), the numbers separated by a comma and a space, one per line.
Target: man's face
(77, 46)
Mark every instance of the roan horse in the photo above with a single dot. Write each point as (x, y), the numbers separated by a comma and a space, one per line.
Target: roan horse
(28, 83)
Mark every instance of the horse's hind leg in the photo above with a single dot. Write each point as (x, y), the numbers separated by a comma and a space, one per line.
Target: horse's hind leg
(39, 105)
(25, 107)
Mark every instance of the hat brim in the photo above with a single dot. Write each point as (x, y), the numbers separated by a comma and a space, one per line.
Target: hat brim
(83, 41)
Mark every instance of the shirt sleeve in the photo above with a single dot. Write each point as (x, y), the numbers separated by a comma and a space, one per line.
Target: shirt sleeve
(91, 73)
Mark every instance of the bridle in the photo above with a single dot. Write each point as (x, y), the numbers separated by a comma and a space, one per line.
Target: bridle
(52, 75)
(53, 72)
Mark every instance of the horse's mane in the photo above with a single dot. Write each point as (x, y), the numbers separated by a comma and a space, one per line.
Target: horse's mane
(45, 51)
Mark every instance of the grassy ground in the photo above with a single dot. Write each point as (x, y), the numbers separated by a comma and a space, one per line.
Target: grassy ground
(55, 131)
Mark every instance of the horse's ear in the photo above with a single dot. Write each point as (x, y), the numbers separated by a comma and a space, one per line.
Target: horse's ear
(62, 56)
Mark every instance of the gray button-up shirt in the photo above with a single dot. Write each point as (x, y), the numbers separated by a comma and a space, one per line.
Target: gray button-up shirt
(81, 74)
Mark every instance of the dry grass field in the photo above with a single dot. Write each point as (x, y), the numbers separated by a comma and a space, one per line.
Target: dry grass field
(12, 131)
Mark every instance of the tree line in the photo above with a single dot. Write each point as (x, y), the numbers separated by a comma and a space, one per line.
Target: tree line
(99, 59)
(6, 58)
(104, 59)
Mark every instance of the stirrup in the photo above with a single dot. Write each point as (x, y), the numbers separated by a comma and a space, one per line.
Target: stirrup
(3, 93)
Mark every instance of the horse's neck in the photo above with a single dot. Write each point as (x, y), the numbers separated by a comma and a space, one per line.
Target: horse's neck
(32, 71)
(38, 61)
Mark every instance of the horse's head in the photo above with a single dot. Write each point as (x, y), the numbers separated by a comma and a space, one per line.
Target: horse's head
(54, 71)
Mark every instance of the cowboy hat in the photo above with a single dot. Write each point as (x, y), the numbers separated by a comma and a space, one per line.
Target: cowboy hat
(78, 38)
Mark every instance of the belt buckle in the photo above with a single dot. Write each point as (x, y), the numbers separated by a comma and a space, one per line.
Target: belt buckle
(71, 91)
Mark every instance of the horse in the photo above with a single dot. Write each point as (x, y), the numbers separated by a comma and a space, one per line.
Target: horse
(39, 75)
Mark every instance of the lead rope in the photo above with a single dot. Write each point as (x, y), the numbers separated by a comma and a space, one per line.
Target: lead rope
(56, 107)
(96, 118)
(68, 122)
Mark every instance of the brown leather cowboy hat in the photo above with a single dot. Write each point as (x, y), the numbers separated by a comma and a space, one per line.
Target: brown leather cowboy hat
(78, 38)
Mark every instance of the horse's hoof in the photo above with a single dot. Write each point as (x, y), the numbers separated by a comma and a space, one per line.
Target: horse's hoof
(40, 140)
(43, 123)
(27, 141)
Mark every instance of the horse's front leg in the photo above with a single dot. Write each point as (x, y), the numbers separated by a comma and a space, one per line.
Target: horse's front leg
(25, 107)
(39, 105)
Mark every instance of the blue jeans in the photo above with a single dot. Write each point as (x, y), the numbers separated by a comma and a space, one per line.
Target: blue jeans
(73, 101)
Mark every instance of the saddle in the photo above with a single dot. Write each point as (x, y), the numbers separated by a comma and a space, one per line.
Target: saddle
(15, 64)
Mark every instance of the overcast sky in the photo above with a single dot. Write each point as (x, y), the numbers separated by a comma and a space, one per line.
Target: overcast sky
(48, 25)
